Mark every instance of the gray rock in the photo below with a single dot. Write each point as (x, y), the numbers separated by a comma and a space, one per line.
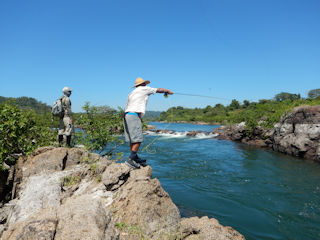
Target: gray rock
(298, 133)
(142, 202)
(45, 208)
(41, 225)
(115, 175)
(205, 228)
(84, 217)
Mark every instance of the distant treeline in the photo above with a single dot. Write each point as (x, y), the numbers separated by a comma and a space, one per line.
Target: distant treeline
(265, 112)
(152, 115)
(27, 103)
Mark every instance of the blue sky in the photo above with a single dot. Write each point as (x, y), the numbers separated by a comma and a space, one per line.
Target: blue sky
(248, 49)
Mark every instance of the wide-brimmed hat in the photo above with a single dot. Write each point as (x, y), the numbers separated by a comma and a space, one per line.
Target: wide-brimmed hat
(139, 81)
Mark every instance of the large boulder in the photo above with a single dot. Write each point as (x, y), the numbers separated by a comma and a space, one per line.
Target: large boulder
(205, 228)
(73, 194)
(259, 136)
(298, 133)
(143, 203)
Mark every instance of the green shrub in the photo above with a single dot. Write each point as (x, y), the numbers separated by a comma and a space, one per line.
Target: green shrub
(99, 128)
(265, 112)
(21, 132)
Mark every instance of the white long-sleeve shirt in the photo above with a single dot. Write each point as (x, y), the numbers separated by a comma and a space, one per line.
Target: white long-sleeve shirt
(138, 99)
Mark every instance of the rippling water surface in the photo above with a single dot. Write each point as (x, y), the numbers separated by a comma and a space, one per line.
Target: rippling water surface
(260, 193)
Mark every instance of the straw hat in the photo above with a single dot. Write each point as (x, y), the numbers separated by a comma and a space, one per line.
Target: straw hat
(139, 81)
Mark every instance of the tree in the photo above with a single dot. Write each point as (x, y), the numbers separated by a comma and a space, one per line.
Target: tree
(246, 103)
(207, 109)
(234, 105)
(21, 133)
(285, 95)
(264, 101)
(314, 93)
(100, 129)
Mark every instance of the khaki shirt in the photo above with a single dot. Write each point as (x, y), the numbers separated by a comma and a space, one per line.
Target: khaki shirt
(66, 105)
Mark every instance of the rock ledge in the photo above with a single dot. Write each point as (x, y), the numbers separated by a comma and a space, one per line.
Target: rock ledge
(61, 193)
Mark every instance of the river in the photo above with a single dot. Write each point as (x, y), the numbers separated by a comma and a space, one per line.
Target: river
(260, 193)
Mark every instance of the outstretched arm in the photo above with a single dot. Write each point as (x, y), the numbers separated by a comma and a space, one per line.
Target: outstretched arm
(163, 90)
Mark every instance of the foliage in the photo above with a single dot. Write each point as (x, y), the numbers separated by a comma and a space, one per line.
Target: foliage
(131, 229)
(284, 96)
(22, 132)
(99, 128)
(151, 115)
(265, 112)
(28, 103)
(314, 93)
(69, 181)
(234, 105)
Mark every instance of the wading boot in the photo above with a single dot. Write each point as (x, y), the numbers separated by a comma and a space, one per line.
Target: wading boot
(141, 161)
(69, 141)
(60, 140)
(132, 164)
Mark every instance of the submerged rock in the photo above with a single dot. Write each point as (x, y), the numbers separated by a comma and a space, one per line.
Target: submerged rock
(71, 194)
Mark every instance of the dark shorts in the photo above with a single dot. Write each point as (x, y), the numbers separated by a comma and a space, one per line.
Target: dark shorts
(133, 128)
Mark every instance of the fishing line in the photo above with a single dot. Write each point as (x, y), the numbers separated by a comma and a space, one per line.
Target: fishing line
(147, 148)
(196, 95)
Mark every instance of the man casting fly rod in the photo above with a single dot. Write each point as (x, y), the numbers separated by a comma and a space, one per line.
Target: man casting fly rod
(134, 112)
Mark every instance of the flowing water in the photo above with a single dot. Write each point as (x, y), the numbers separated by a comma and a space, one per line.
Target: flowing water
(260, 193)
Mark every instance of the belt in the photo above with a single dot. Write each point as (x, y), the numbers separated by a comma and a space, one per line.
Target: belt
(133, 113)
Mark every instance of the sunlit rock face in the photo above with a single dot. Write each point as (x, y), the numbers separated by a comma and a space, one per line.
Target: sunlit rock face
(61, 193)
(298, 133)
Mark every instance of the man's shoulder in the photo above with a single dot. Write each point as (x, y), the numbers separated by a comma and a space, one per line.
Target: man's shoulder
(65, 99)
(147, 88)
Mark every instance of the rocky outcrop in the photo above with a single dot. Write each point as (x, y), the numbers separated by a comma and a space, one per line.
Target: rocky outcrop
(297, 134)
(61, 193)
(197, 228)
(260, 136)
(199, 134)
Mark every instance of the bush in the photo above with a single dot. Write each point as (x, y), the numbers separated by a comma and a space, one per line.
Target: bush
(21, 133)
(265, 112)
(99, 128)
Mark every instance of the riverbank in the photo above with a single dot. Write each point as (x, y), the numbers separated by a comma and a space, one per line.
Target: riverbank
(296, 134)
(192, 122)
(60, 193)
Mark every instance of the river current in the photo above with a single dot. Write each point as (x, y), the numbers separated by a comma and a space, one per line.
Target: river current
(260, 193)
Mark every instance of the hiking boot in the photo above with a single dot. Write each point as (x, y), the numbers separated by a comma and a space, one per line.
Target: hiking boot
(132, 164)
(141, 161)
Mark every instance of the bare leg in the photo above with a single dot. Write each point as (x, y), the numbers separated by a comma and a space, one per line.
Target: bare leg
(135, 146)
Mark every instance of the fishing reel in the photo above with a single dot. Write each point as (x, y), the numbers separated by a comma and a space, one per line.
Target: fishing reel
(166, 95)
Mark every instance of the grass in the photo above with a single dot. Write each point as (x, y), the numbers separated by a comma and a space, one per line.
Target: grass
(70, 180)
(130, 229)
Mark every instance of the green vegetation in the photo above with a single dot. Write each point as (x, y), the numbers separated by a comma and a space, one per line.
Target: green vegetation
(69, 181)
(100, 127)
(22, 132)
(25, 127)
(267, 112)
(151, 115)
(27, 103)
(131, 229)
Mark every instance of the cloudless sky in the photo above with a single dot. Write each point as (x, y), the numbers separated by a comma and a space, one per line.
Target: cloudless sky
(242, 49)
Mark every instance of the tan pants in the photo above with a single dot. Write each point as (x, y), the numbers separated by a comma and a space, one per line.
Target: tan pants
(66, 126)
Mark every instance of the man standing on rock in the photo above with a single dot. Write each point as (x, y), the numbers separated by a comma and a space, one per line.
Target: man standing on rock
(66, 121)
(135, 110)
